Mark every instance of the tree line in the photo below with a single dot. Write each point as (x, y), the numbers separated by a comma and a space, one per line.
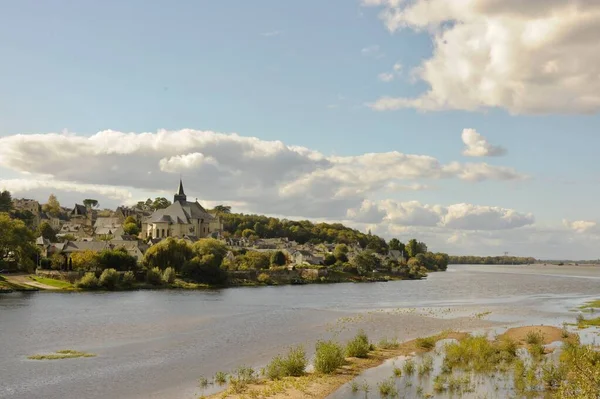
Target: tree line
(491, 260)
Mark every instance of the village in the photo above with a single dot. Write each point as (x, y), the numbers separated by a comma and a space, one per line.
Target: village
(137, 228)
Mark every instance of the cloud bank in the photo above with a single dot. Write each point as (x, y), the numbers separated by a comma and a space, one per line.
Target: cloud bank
(477, 146)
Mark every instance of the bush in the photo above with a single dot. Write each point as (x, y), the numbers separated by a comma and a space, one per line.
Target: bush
(221, 378)
(168, 275)
(128, 279)
(293, 365)
(154, 276)
(109, 279)
(409, 367)
(264, 278)
(385, 343)
(387, 389)
(358, 346)
(328, 357)
(329, 260)
(278, 258)
(205, 269)
(534, 337)
(89, 281)
(426, 343)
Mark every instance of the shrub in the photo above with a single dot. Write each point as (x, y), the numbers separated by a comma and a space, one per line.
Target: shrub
(328, 357)
(89, 281)
(168, 275)
(220, 378)
(154, 276)
(426, 343)
(426, 366)
(264, 278)
(109, 279)
(409, 367)
(240, 380)
(388, 344)
(387, 389)
(293, 365)
(358, 346)
(534, 337)
(553, 376)
(128, 279)
(397, 372)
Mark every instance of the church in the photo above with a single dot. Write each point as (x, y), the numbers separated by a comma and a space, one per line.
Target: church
(181, 219)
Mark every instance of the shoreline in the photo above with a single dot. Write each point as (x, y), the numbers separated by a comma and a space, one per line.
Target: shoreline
(320, 386)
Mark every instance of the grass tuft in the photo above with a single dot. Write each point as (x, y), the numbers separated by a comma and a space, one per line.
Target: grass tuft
(61, 354)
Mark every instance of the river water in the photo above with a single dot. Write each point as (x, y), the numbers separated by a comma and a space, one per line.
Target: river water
(156, 344)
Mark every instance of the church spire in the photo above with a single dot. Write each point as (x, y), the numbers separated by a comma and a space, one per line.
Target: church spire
(180, 195)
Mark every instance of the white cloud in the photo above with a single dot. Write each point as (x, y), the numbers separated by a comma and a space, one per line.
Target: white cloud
(23, 186)
(397, 67)
(372, 51)
(473, 217)
(271, 33)
(533, 57)
(582, 226)
(386, 77)
(477, 146)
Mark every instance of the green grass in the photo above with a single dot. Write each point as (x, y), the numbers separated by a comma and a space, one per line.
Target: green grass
(61, 354)
(52, 282)
(426, 343)
(585, 323)
(8, 286)
(590, 305)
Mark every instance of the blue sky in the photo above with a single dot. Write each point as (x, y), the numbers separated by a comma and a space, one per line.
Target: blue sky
(306, 73)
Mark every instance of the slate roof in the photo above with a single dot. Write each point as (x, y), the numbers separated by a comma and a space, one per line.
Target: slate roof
(79, 210)
(78, 246)
(181, 212)
(107, 222)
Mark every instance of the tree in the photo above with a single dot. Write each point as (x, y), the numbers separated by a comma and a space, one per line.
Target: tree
(329, 260)
(91, 203)
(210, 246)
(247, 233)
(341, 252)
(85, 260)
(160, 203)
(6, 204)
(52, 206)
(396, 245)
(168, 253)
(57, 261)
(131, 229)
(413, 248)
(130, 219)
(204, 269)
(46, 231)
(16, 243)
(278, 258)
(365, 262)
(222, 209)
(254, 260)
(118, 259)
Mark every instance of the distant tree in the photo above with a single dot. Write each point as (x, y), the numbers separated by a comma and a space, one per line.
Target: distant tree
(365, 262)
(16, 243)
(222, 209)
(130, 219)
(396, 245)
(341, 252)
(377, 244)
(92, 203)
(57, 261)
(85, 260)
(46, 231)
(247, 233)
(204, 269)
(413, 248)
(6, 204)
(26, 216)
(254, 260)
(160, 203)
(131, 229)
(117, 258)
(52, 206)
(210, 246)
(329, 260)
(278, 258)
(168, 253)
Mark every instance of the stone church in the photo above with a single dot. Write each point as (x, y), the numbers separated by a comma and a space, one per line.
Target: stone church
(182, 219)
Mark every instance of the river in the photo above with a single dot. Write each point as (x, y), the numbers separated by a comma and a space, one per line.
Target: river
(156, 344)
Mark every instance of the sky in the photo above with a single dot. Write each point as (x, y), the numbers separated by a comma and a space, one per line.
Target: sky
(470, 125)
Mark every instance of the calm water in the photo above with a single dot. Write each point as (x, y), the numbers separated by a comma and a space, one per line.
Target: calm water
(155, 344)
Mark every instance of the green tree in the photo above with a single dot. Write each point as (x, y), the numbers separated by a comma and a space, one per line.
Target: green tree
(396, 245)
(6, 204)
(130, 219)
(329, 260)
(413, 248)
(85, 260)
(278, 258)
(52, 206)
(365, 262)
(341, 252)
(204, 269)
(131, 229)
(168, 253)
(46, 231)
(210, 246)
(254, 260)
(247, 233)
(118, 259)
(92, 203)
(160, 203)
(222, 209)
(16, 243)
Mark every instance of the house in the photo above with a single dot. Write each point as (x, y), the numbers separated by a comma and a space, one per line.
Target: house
(56, 222)
(303, 257)
(78, 230)
(29, 205)
(134, 247)
(108, 226)
(180, 219)
(82, 214)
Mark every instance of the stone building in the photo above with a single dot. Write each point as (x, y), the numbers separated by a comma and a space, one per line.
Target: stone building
(181, 219)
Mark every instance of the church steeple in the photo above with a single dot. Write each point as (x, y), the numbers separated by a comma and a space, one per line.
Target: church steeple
(180, 195)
